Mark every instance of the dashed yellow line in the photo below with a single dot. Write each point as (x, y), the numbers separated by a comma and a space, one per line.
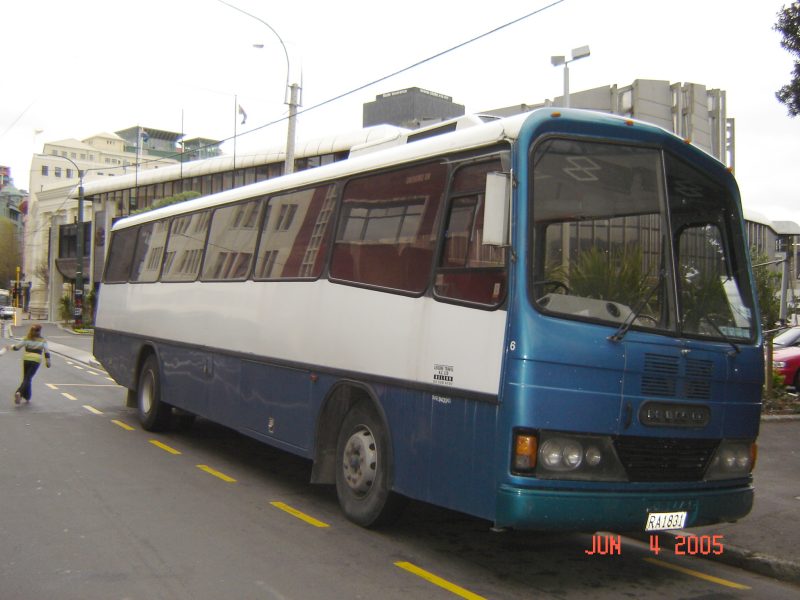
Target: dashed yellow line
(698, 574)
(164, 447)
(216, 473)
(68, 396)
(300, 515)
(80, 368)
(122, 424)
(51, 386)
(435, 580)
(92, 409)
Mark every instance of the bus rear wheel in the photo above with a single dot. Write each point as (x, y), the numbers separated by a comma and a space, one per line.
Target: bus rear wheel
(362, 470)
(154, 415)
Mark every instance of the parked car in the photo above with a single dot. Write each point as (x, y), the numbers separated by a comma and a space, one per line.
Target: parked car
(6, 312)
(786, 362)
(789, 337)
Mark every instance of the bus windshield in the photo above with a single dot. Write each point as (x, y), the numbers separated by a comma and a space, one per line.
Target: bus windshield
(626, 234)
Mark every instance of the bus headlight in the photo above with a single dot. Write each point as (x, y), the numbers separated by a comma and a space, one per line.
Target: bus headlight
(732, 459)
(566, 456)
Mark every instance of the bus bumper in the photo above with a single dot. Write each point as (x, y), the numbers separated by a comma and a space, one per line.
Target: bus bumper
(554, 510)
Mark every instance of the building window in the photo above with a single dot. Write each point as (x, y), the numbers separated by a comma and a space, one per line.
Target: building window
(45, 170)
(69, 173)
(58, 171)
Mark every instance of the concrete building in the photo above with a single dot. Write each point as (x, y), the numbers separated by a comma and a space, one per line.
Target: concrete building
(54, 175)
(689, 110)
(410, 108)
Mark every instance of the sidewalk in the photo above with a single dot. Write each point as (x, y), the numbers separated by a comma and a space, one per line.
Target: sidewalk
(764, 542)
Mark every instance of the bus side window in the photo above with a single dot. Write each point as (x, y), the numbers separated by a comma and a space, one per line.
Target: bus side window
(187, 239)
(387, 229)
(120, 255)
(231, 242)
(295, 234)
(470, 271)
(149, 251)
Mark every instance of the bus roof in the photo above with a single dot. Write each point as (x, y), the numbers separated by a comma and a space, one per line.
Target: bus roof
(402, 147)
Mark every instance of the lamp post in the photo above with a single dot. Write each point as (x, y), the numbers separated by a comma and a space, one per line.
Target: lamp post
(78, 314)
(292, 97)
(556, 61)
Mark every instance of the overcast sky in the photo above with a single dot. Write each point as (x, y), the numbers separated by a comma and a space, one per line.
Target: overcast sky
(73, 69)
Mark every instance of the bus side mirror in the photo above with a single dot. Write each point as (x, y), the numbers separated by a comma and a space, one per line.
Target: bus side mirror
(496, 206)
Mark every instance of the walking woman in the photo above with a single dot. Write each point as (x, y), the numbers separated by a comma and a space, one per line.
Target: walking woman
(35, 347)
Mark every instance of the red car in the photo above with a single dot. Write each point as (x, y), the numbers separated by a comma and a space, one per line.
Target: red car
(786, 362)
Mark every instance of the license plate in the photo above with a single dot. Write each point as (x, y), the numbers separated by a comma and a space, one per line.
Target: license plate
(666, 520)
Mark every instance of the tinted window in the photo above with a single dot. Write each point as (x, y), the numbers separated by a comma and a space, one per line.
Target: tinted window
(387, 231)
(295, 234)
(149, 251)
(468, 270)
(187, 237)
(231, 241)
(120, 254)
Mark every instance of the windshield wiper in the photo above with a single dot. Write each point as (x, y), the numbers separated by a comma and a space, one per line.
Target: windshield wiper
(628, 322)
(725, 338)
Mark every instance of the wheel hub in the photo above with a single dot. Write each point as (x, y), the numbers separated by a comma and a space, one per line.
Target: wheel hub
(360, 461)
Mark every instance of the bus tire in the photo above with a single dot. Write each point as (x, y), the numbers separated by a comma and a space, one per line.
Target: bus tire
(362, 469)
(154, 415)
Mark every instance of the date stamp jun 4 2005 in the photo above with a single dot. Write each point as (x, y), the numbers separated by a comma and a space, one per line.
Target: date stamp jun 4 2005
(684, 545)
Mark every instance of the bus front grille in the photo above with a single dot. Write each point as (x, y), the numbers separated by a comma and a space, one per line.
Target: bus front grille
(664, 459)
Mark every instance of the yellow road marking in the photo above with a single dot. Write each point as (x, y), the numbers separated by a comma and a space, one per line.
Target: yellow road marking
(164, 447)
(80, 368)
(442, 583)
(216, 473)
(300, 515)
(697, 574)
(92, 409)
(123, 425)
(92, 373)
(51, 386)
(68, 396)
(109, 378)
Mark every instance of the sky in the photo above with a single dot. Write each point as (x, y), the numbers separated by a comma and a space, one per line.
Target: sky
(74, 69)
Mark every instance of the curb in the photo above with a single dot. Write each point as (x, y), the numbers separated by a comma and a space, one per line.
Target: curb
(734, 556)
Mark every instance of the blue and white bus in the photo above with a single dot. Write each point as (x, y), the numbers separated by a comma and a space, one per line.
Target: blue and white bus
(546, 321)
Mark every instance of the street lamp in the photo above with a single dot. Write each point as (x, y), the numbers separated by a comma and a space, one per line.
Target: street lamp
(292, 92)
(577, 53)
(78, 247)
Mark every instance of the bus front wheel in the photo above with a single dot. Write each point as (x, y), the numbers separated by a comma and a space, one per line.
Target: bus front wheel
(362, 470)
(154, 415)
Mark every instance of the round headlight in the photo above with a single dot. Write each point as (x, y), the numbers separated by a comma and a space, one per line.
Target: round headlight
(551, 453)
(593, 456)
(573, 455)
(742, 458)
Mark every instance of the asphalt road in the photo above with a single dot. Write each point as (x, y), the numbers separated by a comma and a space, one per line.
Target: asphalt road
(93, 507)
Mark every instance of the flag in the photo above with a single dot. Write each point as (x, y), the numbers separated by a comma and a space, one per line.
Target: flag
(244, 115)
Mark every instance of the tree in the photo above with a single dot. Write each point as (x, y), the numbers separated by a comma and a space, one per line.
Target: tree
(9, 252)
(768, 285)
(788, 26)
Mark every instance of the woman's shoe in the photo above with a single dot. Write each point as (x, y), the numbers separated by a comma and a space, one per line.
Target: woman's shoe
(17, 396)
